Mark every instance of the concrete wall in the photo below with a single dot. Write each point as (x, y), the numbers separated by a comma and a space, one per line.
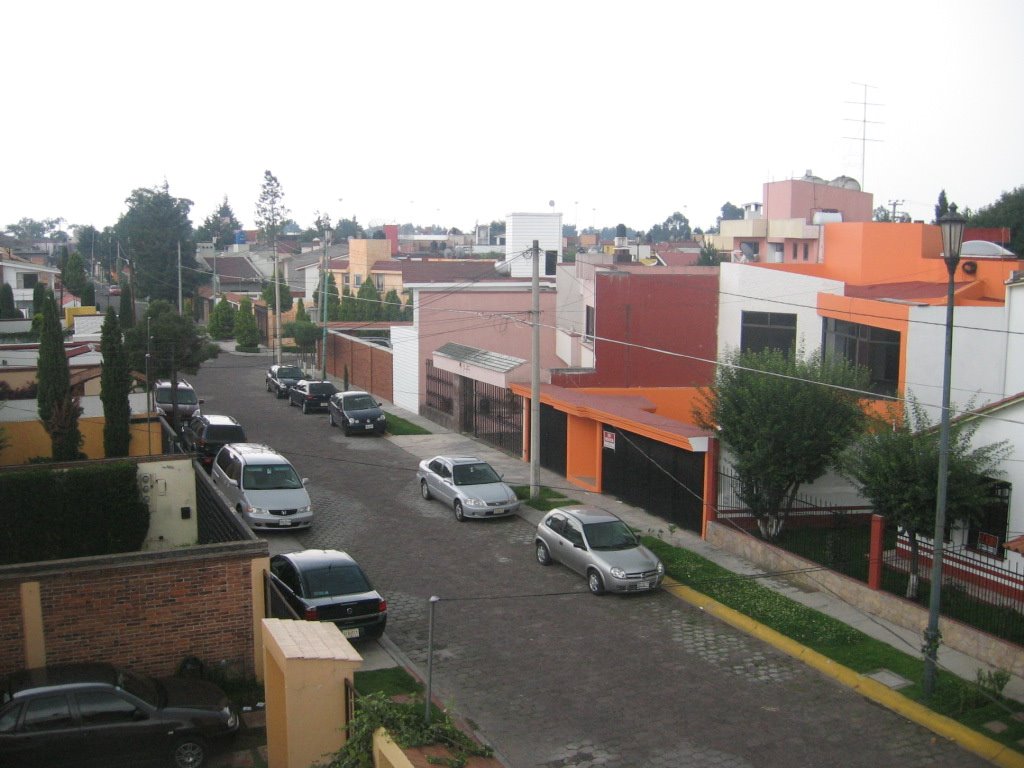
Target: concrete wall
(903, 613)
(521, 229)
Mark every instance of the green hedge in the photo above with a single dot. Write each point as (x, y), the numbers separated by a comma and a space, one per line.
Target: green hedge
(52, 514)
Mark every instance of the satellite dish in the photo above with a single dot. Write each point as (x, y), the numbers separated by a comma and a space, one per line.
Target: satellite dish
(551, 203)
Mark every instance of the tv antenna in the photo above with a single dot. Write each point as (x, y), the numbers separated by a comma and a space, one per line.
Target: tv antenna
(864, 123)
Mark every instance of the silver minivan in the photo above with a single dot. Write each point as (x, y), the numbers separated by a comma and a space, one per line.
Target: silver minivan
(262, 486)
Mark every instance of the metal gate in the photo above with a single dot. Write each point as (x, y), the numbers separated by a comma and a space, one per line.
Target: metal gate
(497, 417)
(553, 439)
(665, 480)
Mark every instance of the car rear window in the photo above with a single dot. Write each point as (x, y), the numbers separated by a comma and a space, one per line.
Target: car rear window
(290, 373)
(336, 580)
(322, 389)
(226, 434)
(185, 396)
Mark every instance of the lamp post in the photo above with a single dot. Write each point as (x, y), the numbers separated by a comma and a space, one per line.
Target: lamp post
(323, 301)
(952, 226)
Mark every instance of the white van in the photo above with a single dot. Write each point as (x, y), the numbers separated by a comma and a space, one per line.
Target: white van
(262, 486)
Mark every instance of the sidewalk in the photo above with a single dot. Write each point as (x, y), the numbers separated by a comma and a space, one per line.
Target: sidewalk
(517, 472)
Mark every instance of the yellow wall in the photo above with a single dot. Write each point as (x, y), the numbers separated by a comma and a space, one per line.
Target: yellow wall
(27, 439)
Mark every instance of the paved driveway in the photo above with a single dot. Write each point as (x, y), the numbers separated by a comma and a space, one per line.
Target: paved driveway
(551, 675)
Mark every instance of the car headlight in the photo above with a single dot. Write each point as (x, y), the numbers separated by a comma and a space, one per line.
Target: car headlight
(618, 573)
(230, 717)
(661, 567)
(382, 417)
(304, 510)
(258, 511)
(475, 502)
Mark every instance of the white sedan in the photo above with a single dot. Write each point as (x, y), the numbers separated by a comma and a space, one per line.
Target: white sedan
(470, 486)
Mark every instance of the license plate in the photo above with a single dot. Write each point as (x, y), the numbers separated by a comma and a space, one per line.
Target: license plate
(285, 523)
(350, 633)
(368, 426)
(643, 585)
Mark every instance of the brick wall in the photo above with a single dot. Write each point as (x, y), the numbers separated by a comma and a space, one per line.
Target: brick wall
(369, 366)
(145, 611)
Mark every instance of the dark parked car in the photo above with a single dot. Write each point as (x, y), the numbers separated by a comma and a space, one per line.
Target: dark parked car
(356, 411)
(95, 714)
(328, 585)
(208, 433)
(281, 378)
(311, 395)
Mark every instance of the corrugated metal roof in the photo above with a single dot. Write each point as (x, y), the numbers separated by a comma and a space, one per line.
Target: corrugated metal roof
(482, 358)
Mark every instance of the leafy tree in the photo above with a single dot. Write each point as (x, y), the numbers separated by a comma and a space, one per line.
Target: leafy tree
(219, 227)
(896, 467)
(941, 207)
(270, 291)
(392, 306)
(155, 225)
(333, 302)
(58, 407)
(270, 210)
(53, 375)
(731, 212)
(30, 229)
(246, 334)
(88, 295)
(222, 320)
(126, 307)
(306, 335)
(709, 257)
(1007, 211)
(175, 346)
(115, 385)
(8, 309)
(882, 214)
(675, 228)
(784, 419)
(73, 275)
(38, 297)
(368, 302)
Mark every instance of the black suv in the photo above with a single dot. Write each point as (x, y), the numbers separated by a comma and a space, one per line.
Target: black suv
(311, 395)
(207, 433)
(281, 378)
(94, 714)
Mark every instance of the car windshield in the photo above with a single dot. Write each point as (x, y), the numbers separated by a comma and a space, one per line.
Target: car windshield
(474, 474)
(614, 534)
(185, 396)
(322, 388)
(336, 580)
(359, 402)
(290, 373)
(270, 477)
(144, 688)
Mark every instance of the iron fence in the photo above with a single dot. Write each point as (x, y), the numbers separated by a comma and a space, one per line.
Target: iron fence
(440, 394)
(497, 417)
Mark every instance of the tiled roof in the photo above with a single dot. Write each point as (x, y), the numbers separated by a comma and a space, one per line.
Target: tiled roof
(236, 267)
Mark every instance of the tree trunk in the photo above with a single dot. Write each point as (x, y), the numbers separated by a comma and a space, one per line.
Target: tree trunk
(912, 582)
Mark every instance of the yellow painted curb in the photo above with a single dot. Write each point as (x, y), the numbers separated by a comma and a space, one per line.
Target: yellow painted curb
(971, 740)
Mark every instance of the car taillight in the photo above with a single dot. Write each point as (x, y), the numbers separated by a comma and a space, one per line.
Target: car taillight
(383, 606)
(310, 614)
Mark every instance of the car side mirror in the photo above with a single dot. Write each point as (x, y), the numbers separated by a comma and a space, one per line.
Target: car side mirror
(305, 481)
(580, 545)
(201, 401)
(232, 481)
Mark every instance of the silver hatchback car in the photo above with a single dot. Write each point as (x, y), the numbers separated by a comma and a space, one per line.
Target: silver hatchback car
(470, 486)
(600, 546)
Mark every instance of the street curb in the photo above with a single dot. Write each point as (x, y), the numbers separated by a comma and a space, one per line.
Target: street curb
(971, 740)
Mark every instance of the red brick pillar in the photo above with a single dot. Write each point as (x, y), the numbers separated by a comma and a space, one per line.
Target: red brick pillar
(875, 556)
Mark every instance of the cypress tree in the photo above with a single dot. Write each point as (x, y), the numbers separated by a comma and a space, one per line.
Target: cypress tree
(115, 384)
(246, 334)
(52, 372)
(8, 310)
(38, 296)
(126, 313)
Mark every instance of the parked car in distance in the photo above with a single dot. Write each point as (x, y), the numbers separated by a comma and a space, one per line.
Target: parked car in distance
(187, 401)
(262, 486)
(207, 433)
(95, 714)
(357, 412)
(281, 378)
(328, 585)
(470, 486)
(114, 290)
(599, 546)
(311, 395)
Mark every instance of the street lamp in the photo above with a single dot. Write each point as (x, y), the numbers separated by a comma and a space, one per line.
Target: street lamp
(952, 226)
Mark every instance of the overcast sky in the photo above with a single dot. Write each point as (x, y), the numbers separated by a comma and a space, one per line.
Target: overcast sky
(454, 113)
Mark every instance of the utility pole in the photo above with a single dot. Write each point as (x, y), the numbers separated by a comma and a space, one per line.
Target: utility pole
(535, 378)
(277, 307)
(323, 301)
(181, 306)
(894, 203)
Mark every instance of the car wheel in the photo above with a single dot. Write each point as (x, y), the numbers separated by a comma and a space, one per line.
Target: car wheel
(595, 582)
(189, 752)
(459, 515)
(269, 388)
(305, 408)
(424, 490)
(543, 556)
(330, 415)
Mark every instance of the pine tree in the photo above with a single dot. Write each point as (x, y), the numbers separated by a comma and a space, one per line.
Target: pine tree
(246, 334)
(38, 297)
(126, 312)
(392, 306)
(368, 302)
(300, 312)
(222, 320)
(115, 384)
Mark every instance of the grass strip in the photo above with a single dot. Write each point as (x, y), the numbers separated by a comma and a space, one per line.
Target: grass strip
(399, 426)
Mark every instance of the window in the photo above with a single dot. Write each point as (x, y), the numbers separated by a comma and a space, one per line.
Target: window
(589, 329)
(28, 279)
(101, 707)
(767, 330)
(877, 349)
(807, 249)
(48, 713)
(794, 252)
(987, 533)
(345, 279)
(379, 282)
(359, 280)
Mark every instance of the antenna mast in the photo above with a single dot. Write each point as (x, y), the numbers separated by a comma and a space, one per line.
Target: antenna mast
(864, 122)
